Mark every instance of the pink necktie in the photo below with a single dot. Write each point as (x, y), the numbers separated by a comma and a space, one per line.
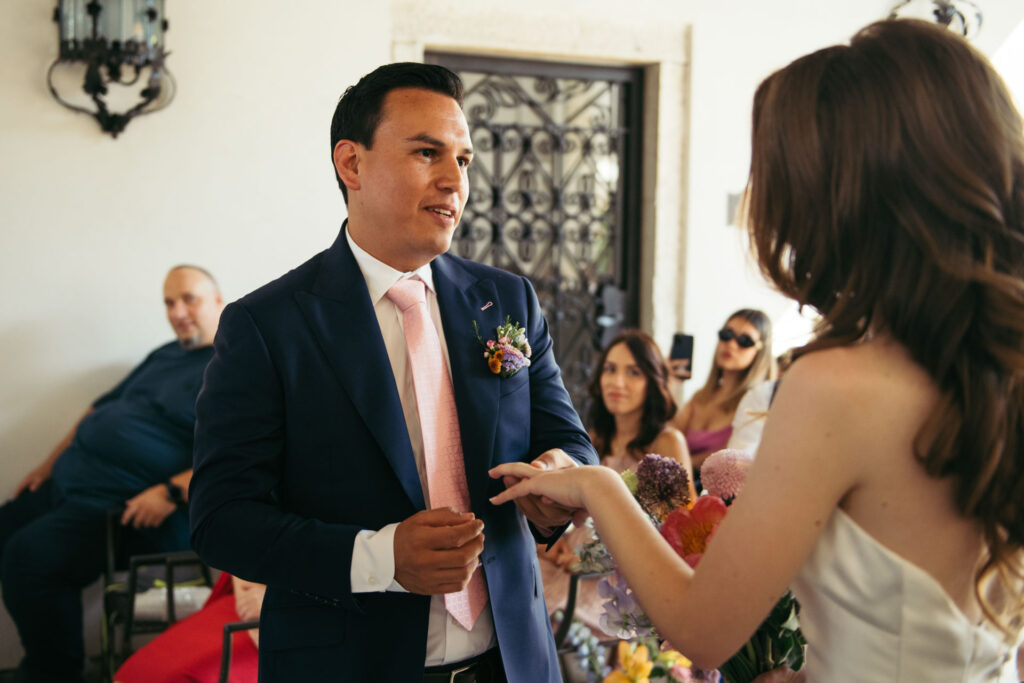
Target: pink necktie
(442, 445)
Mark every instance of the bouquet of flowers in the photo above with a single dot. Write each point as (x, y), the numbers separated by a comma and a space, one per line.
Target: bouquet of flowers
(778, 640)
(660, 485)
(662, 488)
(636, 666)
(670, 666)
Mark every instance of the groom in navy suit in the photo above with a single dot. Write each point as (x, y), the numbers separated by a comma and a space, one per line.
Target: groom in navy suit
(312, 452)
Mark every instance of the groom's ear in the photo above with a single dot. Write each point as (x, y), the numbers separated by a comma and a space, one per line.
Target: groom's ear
(347, 158)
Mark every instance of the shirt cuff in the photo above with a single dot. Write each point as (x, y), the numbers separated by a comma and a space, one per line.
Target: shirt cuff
(373, 562)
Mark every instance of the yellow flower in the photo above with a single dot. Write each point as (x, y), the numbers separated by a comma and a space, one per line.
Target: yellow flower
(617, 677)
(636, 667)
(670, 658)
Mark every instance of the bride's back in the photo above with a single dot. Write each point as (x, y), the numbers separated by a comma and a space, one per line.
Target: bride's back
(887, 192)
(895, 501)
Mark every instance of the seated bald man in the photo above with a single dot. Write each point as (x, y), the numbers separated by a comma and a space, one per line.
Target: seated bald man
(133, 447)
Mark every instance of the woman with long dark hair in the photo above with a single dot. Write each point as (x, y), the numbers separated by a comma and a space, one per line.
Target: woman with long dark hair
(886, 191)
(630, 409)
(631, 404)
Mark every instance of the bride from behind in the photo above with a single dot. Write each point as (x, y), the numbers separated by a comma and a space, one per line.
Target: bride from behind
(887, 192)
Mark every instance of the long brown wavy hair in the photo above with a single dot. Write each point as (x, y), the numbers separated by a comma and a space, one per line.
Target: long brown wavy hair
(658, 407)
(760, 369)
(887, 191)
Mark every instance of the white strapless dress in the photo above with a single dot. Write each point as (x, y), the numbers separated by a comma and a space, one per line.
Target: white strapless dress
(869, 615)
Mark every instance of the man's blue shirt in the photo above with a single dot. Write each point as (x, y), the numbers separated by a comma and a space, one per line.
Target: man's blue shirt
(139, 433)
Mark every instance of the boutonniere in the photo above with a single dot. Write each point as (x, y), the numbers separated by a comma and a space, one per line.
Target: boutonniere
(510, 352)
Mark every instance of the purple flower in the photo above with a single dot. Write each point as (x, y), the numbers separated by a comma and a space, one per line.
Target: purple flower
(662, 485)
(622, 615)
(513, 359)
(705, 675)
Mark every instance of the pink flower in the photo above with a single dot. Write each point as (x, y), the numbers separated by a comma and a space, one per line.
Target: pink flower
(681, 673)
(503, 340)
(724, 472)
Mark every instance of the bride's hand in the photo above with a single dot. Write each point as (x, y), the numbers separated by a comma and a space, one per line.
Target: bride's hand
(567, 487)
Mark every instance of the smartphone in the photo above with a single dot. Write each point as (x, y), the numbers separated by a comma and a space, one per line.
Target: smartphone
(682, 347)
(682, 350)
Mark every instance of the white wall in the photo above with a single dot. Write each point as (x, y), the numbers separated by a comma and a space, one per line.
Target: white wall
(235, 176)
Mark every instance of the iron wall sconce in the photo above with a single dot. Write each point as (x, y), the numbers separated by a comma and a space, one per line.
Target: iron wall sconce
(961, 16)
(115, 40)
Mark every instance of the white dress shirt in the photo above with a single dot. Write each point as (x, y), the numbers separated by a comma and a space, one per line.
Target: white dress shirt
(373, 554)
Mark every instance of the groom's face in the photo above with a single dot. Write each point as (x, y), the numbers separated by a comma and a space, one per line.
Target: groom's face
(413, 182)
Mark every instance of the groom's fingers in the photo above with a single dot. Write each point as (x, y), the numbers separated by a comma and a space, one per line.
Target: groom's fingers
(453, 536)
(436, 549)
(442, 517)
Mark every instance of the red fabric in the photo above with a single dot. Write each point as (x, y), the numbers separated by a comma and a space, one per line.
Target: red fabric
(224, 586)
(189, 651)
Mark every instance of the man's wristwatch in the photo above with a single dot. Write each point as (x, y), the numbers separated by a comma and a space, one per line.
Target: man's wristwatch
(175, 494)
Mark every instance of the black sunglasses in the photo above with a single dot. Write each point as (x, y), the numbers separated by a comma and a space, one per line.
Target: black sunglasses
(744, 340)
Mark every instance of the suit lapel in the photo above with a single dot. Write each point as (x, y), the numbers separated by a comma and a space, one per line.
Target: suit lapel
(339, 312)
(460, 299)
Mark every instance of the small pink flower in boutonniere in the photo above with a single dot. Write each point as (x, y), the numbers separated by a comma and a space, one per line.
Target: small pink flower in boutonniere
(510, 353)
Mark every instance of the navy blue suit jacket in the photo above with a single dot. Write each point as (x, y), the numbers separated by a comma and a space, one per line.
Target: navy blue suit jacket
(301, 443)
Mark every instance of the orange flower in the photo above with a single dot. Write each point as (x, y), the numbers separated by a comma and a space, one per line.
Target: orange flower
(688, 531)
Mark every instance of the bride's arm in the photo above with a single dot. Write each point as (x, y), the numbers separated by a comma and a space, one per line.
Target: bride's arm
(802, 471)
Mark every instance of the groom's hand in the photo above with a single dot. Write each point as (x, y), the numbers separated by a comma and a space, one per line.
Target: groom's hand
(544, 514)
(437, 550)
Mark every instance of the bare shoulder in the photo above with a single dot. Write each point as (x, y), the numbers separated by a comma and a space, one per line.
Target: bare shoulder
(861, 396)
(881, 370)
(681, 420)
(672, 444)
(669, 436)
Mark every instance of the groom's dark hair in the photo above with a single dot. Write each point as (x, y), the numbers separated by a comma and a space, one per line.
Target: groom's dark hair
(359, 110)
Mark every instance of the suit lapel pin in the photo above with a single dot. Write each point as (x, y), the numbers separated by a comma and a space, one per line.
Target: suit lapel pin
(486, 305)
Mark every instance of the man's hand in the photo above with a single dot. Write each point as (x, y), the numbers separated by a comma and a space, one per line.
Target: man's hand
(248, 598)
(34, 479)
(437, 550)
(542, 512)
(148, 509)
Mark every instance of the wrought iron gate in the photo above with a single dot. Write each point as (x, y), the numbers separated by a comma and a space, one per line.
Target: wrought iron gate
(554, 193)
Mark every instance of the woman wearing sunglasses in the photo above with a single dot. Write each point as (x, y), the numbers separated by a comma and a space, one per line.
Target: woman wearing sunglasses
(743, 359)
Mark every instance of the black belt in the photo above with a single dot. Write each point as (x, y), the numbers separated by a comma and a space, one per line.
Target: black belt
(484, 668)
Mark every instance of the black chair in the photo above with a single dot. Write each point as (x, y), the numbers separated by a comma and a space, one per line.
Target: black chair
(570, 605)
(568, 611)
(225, 648)
(124, 577)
